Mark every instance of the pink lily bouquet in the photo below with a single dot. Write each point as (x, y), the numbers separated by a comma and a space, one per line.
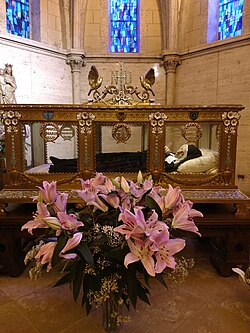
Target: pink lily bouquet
(122, 234)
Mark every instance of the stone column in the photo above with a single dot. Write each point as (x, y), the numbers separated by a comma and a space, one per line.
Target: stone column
(2, 17)
(170, 62)
(76, 62)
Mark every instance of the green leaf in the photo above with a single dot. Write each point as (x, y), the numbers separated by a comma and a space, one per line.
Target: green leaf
(142, 292)
(151, 203)
(83, 250)
(73, 271)
(117, 253)
(84, 299)
(63, 280)
(77, 281)
(159, 277)
(131, 281)
(125, 300)
(59, 246)
(88, 306)
(179, 233)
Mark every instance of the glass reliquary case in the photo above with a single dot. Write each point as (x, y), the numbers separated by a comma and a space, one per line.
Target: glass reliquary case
(193, 147)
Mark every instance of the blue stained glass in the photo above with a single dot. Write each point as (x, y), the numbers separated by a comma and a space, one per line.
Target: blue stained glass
(17, 18)
(230, 19)
(124, 26)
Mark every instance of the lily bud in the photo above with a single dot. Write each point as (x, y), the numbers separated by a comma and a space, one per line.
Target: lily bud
(52, 222)
(139, 177)
(40, 197)
(124, 185)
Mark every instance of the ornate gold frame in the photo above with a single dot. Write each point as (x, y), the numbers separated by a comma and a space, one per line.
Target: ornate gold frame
(19, 186)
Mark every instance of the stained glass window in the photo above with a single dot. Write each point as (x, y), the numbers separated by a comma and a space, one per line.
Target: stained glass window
(124, 23)
(17, 18)
(230, 19)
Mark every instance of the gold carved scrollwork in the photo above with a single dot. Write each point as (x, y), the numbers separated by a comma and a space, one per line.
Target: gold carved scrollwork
(49, 132)
(192, 132)
(230, 120)
(121, 133)
(85, 122)
(121, 116)
(10, 120)
(121, 89)
(67, 132)
(157, 122)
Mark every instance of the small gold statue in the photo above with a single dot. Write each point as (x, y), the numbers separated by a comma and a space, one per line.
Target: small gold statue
(95, 81)
(148, 80)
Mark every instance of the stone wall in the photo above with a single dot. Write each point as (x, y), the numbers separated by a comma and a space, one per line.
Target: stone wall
(220, 75)
(55, 22)
(41, 72)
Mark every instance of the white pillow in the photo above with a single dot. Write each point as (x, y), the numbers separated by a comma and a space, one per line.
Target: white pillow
(207, 161)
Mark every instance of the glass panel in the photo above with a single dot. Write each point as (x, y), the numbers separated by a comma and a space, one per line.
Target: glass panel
(230, 19)
(27, 136)
(54, 150)
(192, 148)
(17, 18)
(121, 148)
(124, 26)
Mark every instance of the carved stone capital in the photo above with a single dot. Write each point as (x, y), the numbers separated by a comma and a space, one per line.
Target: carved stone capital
(170, 62)
(76, 62)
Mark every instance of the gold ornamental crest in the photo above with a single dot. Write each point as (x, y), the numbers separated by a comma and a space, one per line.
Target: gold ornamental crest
(121, 133)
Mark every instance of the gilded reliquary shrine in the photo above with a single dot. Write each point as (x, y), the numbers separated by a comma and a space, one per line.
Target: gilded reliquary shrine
(68, 142)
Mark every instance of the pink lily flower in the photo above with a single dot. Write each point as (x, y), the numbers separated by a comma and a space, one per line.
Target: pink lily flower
(60, 204)
(86, 184)
(111, 199)
(140, 251)
(172, 198)
(109, 185)
(148, 184)
(167, 200)
(99, 179)
(157, 233)
(48, 192)
(72, 243)
(193, 212)
(45, 254)
(138, 191)
(98, 204)
(126, 202)
(134, 224)
(87, 195)
(37, 222)
(106, 187)
(164, 256)
(69, 221)
(157, 198)
(183, 218)
(152, 224)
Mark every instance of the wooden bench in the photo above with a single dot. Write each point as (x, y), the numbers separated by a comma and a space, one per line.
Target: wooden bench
(229, 236)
